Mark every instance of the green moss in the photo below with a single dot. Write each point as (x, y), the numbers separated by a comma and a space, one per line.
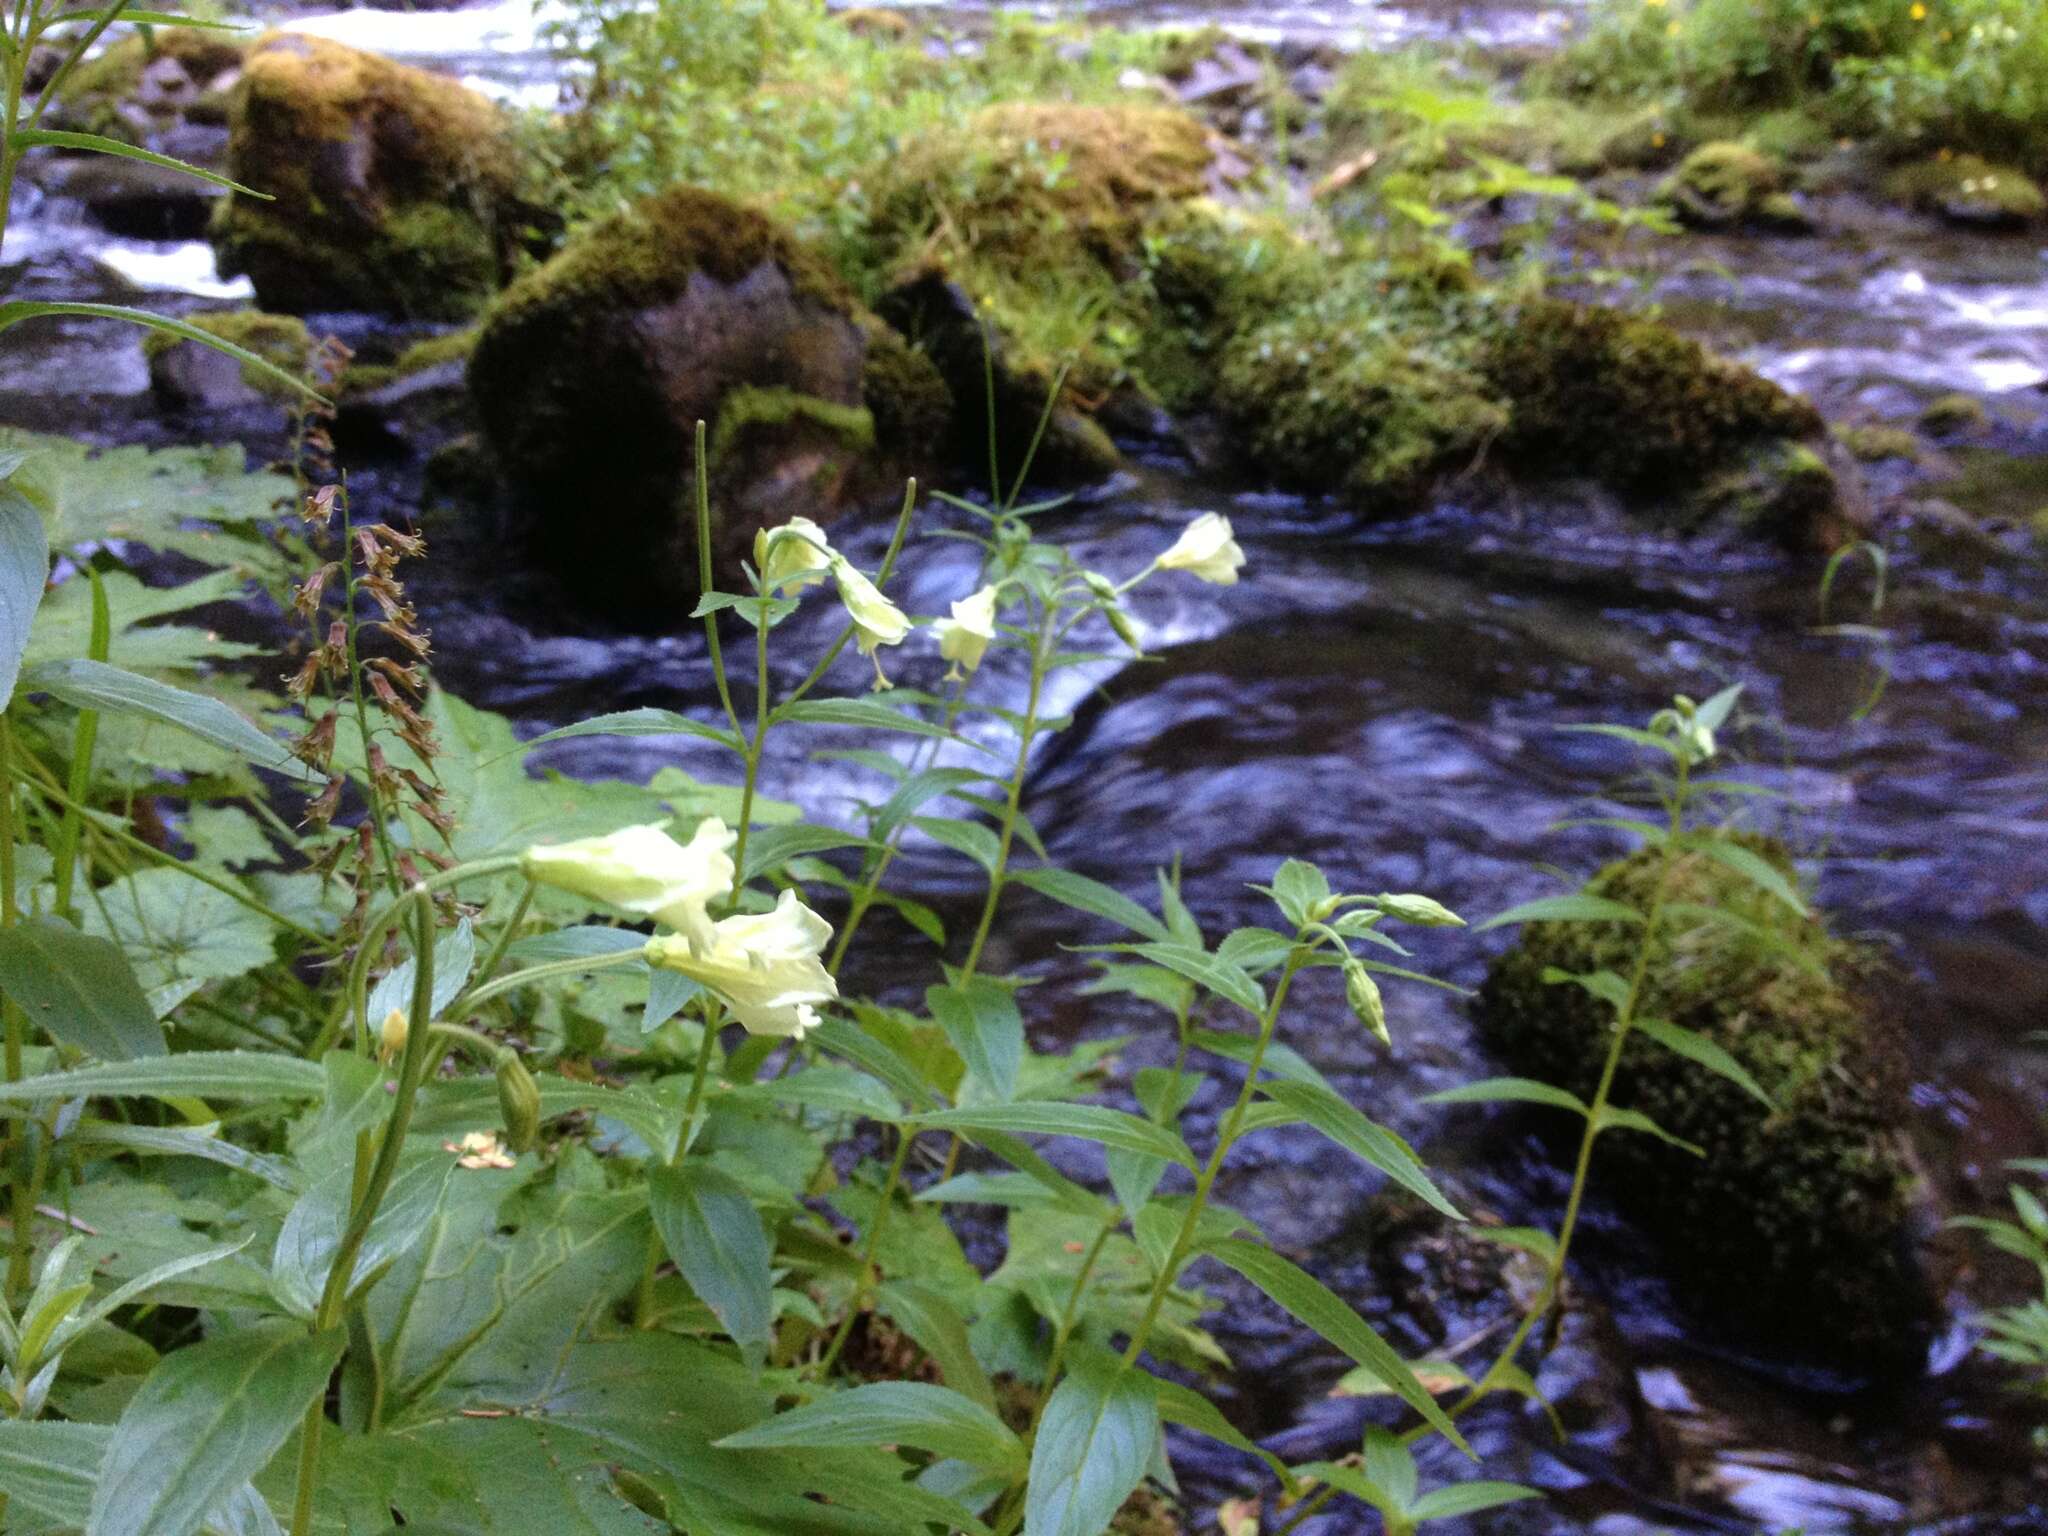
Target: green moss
(1952, 415)
(1969, 190)
(1872, 444)
(450, 347)
(1796, 1217)
(748, 407)
(395, 190)
(1722, 183)
(1627, 400)
(907, 398)
(281, 340)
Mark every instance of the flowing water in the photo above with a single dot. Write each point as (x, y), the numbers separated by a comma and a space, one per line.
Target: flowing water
(1387, 700)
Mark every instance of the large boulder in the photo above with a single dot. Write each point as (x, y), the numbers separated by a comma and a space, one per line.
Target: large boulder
(1799, 1224)
(591, 372)
(165, 90)
(394, 191)
(187, 375)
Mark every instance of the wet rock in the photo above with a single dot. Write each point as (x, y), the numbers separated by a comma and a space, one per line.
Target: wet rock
(395, 191)
(133, 198)
(1955, 415)
(1725, 185)
(410, 406)
(1799, 1224)
(191, 376)
(1969, 191)
(590, 374)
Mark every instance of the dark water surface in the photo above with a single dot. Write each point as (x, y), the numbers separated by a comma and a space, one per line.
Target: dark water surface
(1386, 701)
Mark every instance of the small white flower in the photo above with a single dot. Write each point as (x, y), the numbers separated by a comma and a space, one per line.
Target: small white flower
(792, 557)
(642, 869)
(1205, 550)
(764, 966)
(965, 637)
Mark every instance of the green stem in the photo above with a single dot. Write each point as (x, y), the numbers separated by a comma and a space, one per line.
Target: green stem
(704, 587)
(867, 1253)
(84, 736)
(1013, 800)
(506, 935)
(643, 1303)
(574, 966)
(1226, 1138)
(21, 1187)
(753, 752)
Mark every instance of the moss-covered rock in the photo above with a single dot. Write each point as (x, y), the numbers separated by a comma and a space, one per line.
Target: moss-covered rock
(409, 407)
(1796, 1223)
(1036, 214)
(1968, 190)
(189, 375)
(395, 190)
(1954, 415)
(1874, 443)
(590, 373)
(1626, 400)
(142, 88)
(1726, 184)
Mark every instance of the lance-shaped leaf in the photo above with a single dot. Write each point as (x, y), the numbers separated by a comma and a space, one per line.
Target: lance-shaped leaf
(1089, 1122)
(24, 570)
(714, 1234)
(89, 684)
(912, 1413)
(1094, 1442)
(80, 989)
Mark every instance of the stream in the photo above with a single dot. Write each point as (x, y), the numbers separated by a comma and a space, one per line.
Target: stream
(1386, 700)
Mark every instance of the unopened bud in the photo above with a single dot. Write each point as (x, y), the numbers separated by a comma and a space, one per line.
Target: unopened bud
(1420, 910)
(518, 1101)
(1126, 631)
(1363, 994)
(391, 1034)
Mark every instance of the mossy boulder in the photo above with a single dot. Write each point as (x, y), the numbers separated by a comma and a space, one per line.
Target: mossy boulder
(410, 406)
(145, 88)
(590, 373)
(1625, 400)
(395, 191)
(1968, 190)
(1728, 184)
(1955, 415)
(189, 375)
(1035, 215)
(1797, 1224)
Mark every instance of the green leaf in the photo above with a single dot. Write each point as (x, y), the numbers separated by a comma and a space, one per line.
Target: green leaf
(1468, 1499)
(311, 1235)
(1089, 1122)
(454, 958)
(1310, 1301)
(48, 1468)
(1751, 866)
(175, 929)
(935, 1419)
(1350, 1129)
(24, 571)
(1094, 1442)
(1189, 1409)
(769, 848)
(984, 1026)
(1578, 908)
(1391, 1466)
(1511, 1090)
(1696, 1047)
(80, 989)
(18, 310)
(1091, 896)
(1605, 985)
(714, 1234)
(205, 1421)
(1611, 1118)
(937, 1328)
(635, 722)
(1714, 713)
(1297, 888)
(202, 1141)
(871, 714)
(50, 138)
(964, 837)
(1219, 976)
(245, 1075)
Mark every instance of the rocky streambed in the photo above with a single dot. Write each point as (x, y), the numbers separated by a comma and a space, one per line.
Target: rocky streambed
(1382, 693)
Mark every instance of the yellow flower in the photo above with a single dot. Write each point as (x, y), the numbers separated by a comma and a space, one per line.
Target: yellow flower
(642, 869)
(1205, 550)
(1918, 12)
(876, 620)
(792, 557)
(479, 1149)
(764, 966)
(965, 637)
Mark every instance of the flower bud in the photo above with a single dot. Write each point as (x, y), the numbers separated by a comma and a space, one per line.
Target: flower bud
(1126, 631)
(1363, 994)
(518, 1101)
(1420, 910)
(391, 1034)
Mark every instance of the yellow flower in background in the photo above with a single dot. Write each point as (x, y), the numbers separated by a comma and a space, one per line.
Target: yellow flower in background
(792, 557)
(965, 637)
(1918, 12)
(1205, 550)
(642, 869)
(764, 966)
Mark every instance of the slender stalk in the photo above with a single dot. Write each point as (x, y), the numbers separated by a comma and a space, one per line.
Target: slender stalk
(1027, 733)
(84, 736)
(867, 1253)
(350, 630)
(20, 1185)
(576, 965)
(753, 752)
(643, 1302)
(704, 587)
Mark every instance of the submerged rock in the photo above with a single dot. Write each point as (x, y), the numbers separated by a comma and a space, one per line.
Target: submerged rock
(590, 374)
(396, 191)
(1797, 1225)
(1968, 190)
